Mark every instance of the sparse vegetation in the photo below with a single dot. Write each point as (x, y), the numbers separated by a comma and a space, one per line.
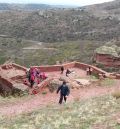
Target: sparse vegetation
(73, 34)
(56, 25)
(11, 99)
(62, 51)
(108, 82)
(78, 115)
(44, 93)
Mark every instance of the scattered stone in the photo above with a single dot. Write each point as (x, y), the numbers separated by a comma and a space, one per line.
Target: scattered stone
(83, 81)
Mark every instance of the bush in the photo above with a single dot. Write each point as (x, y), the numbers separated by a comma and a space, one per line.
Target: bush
(44, 93)
(95, 75)
(53, 86)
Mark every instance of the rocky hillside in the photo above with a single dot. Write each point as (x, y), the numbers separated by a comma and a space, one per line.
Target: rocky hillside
(109, 9)
(64, 24)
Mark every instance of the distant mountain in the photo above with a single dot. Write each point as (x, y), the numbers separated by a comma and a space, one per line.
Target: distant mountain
(5, 6)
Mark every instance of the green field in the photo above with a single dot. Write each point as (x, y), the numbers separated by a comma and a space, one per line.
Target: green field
(60, 51)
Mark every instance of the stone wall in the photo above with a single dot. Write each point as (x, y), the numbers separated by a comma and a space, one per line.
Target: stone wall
(42, 85)
(83, 66)
(57, 68)
(52, 68)
(19, 67)
(6, 83)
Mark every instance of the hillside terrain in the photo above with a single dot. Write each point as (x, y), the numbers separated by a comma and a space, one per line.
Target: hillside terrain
(27, 52)
(93, 106)
(73, 34)
(96, 113)
(97, 22)
(34, 35)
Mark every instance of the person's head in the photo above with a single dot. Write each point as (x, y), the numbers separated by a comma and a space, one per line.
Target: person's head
(64, 82)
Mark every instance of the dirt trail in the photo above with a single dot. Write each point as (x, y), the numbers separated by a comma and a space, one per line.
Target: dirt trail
(38, 45)
(41, 100)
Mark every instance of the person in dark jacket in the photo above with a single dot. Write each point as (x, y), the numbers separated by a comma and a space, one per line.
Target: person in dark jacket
(68, 72)
(62, 69)
(64, 91)
(32, 80)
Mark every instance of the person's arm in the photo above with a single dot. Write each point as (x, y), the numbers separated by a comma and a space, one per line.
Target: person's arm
(68, 91)
(58, 89)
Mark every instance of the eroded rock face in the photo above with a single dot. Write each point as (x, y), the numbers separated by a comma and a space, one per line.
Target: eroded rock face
(11, 79)
(108, 55)
(107, 60)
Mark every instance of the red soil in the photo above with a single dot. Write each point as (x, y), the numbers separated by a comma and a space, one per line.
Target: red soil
(52, 98)
(41, 100)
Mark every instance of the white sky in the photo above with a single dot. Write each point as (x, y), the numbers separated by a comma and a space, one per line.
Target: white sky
(59, 2)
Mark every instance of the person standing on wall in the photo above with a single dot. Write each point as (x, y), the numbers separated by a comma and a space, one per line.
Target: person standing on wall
(87, 71)
(90, 70)
(62, 69)
(67, 72)
(64, 91)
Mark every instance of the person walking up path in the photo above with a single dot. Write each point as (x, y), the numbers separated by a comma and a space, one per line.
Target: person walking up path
(64, 91)
(62, 69)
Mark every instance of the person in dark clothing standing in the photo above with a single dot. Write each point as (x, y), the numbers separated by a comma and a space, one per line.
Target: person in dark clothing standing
(64, 91)
(62, 69)
(68, 72)
(32, 80)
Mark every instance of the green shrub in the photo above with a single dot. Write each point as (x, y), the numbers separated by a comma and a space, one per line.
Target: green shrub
(53, 86)
(100, 65)
(44, 92)
(95, 75)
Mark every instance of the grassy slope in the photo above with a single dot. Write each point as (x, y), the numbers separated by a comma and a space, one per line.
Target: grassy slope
(78, 115)
(69, 50)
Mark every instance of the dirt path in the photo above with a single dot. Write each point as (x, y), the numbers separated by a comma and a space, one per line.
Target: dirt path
(38, 45)
(41, 100)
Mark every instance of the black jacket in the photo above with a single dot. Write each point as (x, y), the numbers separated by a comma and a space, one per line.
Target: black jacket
(62, 68)
(64, 90)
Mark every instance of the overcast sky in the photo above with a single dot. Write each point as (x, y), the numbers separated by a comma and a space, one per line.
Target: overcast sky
(59, 2)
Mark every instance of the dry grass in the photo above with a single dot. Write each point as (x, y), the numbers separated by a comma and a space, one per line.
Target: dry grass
(77, 115)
